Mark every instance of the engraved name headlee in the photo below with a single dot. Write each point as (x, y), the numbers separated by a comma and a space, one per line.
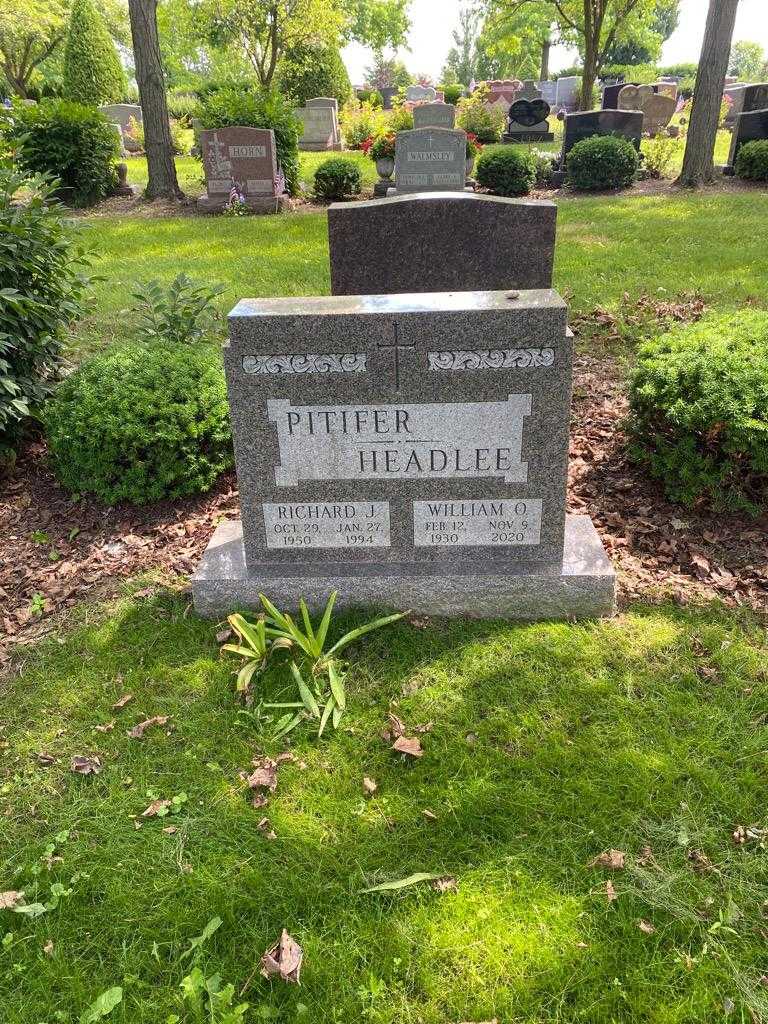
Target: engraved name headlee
(496, 522)
(432, 440)
(327, 524)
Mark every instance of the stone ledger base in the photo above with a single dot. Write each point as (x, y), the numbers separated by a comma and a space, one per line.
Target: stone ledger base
(258, 204)
(512, 137)
(584, 589)
(319, 147)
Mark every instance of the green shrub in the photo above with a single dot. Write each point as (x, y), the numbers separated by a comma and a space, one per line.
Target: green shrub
(258, 109)
(92, 72)
(506, 170)
(602, 162)
(183, 312)
(309, 70)
(360, 121)
(179, 138)
(699, 410)
(752, 160)
(182, 107)
(400, 119)
(453, 93)
(140, 423)
(337, 179)
(75, 144)
(661, 152)
(473, 116)
(43, 285)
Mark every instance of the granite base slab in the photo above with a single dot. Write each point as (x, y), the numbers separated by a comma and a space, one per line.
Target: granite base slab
(585, 588)
(512, 137)
(256, 204)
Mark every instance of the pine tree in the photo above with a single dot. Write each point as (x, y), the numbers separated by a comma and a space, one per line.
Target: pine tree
(93, 74)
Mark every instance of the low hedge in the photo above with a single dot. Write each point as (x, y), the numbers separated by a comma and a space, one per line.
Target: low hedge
(141, 423)
(699, 410)
(337, 179)
(752, 160)
(602, 162)
(506, 170)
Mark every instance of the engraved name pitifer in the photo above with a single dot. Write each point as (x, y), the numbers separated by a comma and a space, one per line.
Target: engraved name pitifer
(430, 440)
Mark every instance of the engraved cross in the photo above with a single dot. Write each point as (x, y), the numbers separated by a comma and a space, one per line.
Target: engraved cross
(396, 348)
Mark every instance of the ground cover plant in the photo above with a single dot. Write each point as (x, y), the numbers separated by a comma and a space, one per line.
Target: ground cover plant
(589, 796)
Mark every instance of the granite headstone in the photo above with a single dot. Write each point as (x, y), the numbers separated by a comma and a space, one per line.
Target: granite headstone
(527, 119)
(420, 94)
(321, 126)
(749, 127)
(430, 160)
(505, 243)
(611, 94)
(586, 123)
(244, 159)
(434, 115)
(567, 95)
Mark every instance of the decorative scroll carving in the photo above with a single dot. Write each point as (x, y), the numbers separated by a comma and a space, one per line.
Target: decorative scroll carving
(312, 362)
(492, 359)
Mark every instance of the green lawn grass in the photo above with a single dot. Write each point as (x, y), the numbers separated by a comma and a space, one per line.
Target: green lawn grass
(606, 246)
(551, 743)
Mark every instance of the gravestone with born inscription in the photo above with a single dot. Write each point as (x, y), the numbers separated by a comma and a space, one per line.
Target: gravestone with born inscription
(430, 159)
(408, 451)
(243, 159)
(434, 115)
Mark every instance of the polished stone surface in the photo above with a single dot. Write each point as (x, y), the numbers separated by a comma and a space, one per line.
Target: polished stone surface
(430, 160)
(585, 124)
(494, 243)
(748, 128)
(434, 115)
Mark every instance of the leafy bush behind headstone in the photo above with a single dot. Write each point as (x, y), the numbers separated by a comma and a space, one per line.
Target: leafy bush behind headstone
(752, 160)
(142, 423)
(73, 143)
(699, 410)
(338, 179)
(43, 287)
(92, 72)
(506, 170)
(258, 109)
(309, 70)
(602, 162)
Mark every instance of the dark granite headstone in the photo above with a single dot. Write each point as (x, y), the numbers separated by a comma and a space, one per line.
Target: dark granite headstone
(585, 124)
(611, 95)
(748, 128)
(400, 244)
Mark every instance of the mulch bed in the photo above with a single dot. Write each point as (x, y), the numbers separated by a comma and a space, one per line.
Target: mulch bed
(55, 552)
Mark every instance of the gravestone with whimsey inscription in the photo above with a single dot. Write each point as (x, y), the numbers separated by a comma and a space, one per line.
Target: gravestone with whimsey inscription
(243, 159)
(434, 115)
(408, 451)
(430, 159)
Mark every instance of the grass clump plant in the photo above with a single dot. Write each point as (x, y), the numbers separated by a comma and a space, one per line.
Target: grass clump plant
(699, 410)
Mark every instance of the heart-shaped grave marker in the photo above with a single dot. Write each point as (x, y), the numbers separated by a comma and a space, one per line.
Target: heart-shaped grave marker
(528, 112)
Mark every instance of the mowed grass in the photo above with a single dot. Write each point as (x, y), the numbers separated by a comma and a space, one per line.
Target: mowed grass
(550, 744)
(606, 247)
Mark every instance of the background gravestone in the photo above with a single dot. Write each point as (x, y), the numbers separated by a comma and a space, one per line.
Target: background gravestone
(121, 113)
(527, 119)
(492, 242)
(586, 123)
(434, 115)
(430, 159)
(321, 127)
(567, 95)
(388, 93)
(748, 128)
(408, 452)
(420, 94)
(243, 158)
(611, 95)
(657, 113)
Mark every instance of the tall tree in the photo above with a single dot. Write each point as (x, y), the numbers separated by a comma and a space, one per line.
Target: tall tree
(525, 36)
(462, 57)
(154, 107)
(746, 60)
(92, 72)
(646, 48)
(698, 162)
(592, 25)
(30, 31)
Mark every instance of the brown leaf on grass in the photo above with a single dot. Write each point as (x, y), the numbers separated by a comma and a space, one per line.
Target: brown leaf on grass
(154, 808)
(265, 827)
(106, 727)
(408, 745)
(287, 757)
(421, 729)
(283, 959)
(369, 786)
(744, 834)
(264, 776)
(394, 729)
(137, 732)
(646, 859)
(613, 859)
(610, 892)
(702, 865)
(223, 635)
(48, 948)
(259, 800)
(429, 815)
(170, 830)
(125, 699)
(445, 884)
(45, 759)
(85, 765)
(646, 927)
(10, 899)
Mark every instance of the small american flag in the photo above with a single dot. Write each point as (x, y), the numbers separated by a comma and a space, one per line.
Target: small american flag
(279, 181)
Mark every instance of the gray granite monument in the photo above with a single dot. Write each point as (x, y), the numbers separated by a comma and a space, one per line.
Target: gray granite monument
(244, 159)
(434, 115)
(408, 451)
(420, 94)
(492, 242)
(430, 160)
(320, 118)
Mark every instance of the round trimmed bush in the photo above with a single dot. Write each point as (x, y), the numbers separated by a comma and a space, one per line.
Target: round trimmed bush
(699, 410)
(73, 143)
(506, 170)
(752, 160)
(338, 179)
(139, 424)
(602, 162)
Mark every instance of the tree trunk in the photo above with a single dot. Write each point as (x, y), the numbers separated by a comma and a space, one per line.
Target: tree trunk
(154, 107)
(698, 162)
(588, 77)
(545, 48)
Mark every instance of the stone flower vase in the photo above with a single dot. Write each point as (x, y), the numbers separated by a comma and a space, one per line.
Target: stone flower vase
(470, 165)
(385, 166)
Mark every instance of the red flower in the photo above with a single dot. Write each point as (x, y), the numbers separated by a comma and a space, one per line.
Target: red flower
(366, 145)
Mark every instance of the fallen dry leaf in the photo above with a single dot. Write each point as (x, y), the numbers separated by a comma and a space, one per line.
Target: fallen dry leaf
(610, 892)
(369, 786)
(85, 765)
(45, 760)
(646, 859)
(223, 635)
(106, 727)
(408, 745)
(743, 834)
(613, 859)
(445, 884)
(259, 800)
(702, 865)
(470, 739)
(646, 927)
(265, 827)
(283, 959)
(171, 830)
(421, 729)
(394, 730)
(264, 776)
(48, 948)
(287, 757)
(125, 699)
(429, 815)
(8, 900)
(137, 732)
(155, 807)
